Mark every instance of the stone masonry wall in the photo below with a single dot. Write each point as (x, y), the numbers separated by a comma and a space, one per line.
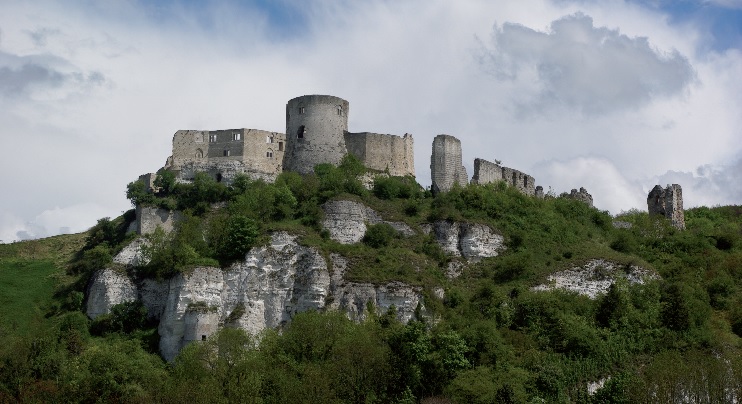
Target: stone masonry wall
(381, 152)
(149, 218)
(259, 150)
(315, 132)
(667, 202)
(445, 164)
(486, 172)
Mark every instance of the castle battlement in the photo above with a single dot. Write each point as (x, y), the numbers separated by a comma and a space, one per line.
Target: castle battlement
(316, 133)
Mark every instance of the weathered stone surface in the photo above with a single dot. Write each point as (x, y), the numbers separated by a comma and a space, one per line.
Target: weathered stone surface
(107, 288)
(595, 277)
(445, 164)
(382, 152)
(272, 284)
(131, 255)
(353, 297)
(669, 203)
(486, 172)
(347, 221)
(581, 196)
(477, 241)
(201, 286)
(472, 241)
(149, 218)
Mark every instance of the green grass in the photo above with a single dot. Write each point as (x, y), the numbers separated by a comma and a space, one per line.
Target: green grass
(26, 290)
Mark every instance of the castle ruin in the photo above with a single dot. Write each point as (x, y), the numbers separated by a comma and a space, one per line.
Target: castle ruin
(446, 169)
(486, 172)
(667, 202)
(316, 132)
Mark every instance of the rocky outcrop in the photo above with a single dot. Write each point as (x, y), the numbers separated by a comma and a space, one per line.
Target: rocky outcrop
(108, 287)
(266, 290)
(132, 255)
(595, 277)
(347, 221)
(353, 297)
(472, 241)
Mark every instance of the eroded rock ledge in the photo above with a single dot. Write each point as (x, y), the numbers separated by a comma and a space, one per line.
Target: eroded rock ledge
(595, 277)
(272, 284)
(347, 221)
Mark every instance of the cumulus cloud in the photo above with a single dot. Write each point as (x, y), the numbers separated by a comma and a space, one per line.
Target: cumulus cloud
(38, 75)
(70, 219)
(591, 69)
(708, 185)
(611, 191)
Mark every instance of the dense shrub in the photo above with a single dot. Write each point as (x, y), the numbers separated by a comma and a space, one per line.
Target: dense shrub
(379, 235)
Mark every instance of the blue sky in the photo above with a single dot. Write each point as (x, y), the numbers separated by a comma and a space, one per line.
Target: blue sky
(614, 96)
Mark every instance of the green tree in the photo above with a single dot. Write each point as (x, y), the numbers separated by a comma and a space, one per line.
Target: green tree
(240, 235)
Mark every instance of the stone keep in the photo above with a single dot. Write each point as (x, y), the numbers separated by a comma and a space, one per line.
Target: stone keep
(445, 164)
(667, 202)
(315, 132)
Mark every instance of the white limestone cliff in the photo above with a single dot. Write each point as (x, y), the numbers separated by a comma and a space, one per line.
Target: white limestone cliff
(272, 283)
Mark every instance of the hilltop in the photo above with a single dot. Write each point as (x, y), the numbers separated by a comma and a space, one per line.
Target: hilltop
(480, 267)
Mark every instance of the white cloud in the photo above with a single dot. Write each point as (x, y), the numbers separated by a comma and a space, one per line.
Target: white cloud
(70, 219)
(708, 185)
(594, 70)
(611, 191)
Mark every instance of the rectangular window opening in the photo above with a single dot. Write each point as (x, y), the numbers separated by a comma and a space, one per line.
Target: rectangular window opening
(236, 136)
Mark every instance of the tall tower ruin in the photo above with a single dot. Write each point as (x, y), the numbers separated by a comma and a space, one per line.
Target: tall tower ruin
(315, 130)
(445, 164)
(667, 202)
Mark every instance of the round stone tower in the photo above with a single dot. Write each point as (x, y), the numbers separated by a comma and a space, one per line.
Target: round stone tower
(315, 132)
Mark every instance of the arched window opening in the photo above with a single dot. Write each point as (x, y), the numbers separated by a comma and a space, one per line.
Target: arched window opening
(226, 152)
(199, 154)
(301, 110)
(269, 154)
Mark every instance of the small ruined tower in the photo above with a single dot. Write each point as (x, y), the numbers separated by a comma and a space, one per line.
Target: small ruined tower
(315, 132)
(445, 164)
(667, 202)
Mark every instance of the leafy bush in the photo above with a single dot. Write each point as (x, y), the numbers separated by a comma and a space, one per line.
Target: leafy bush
(241, 234)
(379, 235)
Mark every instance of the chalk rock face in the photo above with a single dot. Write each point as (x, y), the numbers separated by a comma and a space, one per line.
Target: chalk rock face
(275, 282)
(469, 240)
(267, 289)
(132, 254)
(353, 297)
(107, 288)
(595, 277)
(346, 221)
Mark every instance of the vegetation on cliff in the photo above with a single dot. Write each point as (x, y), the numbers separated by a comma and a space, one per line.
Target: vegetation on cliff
(490, 339)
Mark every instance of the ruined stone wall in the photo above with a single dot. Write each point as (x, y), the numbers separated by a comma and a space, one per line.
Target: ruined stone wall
(445, 164)
(199, 324)
(225, 153)
(148, 219)
(315, 132)
(260, 150)
(667, 202)
(381, 152)
(582, 196)
(486, 172)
